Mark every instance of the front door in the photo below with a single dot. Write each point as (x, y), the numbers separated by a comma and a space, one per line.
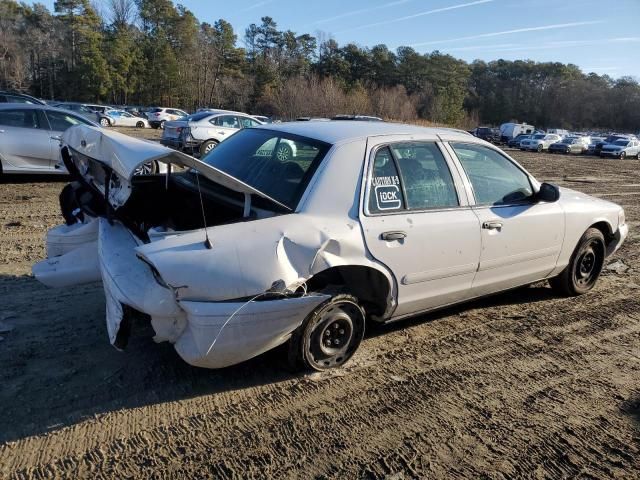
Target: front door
(521, 238)
(417, 222)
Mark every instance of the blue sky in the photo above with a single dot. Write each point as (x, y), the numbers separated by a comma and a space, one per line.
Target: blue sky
(599, 36)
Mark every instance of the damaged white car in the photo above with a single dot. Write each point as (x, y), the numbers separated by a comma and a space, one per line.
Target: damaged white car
(242, 251)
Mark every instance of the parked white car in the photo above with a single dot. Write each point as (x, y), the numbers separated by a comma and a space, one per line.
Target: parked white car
(121, 118)
(157, 116)
(241, 252)
(622, 149)
(30, 137)
(539, 142)
(203, 131)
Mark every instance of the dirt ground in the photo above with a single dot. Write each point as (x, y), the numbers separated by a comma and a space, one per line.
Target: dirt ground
(523, 384)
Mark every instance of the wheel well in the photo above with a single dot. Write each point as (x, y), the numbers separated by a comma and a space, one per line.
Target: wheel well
(605, 228)
(369, 285)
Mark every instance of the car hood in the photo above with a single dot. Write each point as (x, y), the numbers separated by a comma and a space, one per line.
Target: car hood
(122, 155)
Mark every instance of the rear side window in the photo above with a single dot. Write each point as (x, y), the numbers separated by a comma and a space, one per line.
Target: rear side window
(385, 193)
(21, 118)
(228, 121)
(495, 179)
(411, 176)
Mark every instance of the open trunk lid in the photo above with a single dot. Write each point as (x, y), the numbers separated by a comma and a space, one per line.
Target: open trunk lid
(107, 160)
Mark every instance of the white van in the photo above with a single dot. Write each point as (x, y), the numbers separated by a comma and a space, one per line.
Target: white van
(558, 131)
(512, 130)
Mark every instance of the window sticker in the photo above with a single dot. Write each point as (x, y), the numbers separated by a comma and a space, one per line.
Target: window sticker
(388, 197)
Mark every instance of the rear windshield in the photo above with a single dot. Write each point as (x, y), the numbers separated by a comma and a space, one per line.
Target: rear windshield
(196, 117)
(277, 164)
(155, 110)
(623, 143)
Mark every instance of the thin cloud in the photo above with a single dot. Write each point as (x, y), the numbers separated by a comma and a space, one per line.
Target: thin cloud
(504, 47)
(362, 10)
(510, 32)
(416, 15)
(255, 5)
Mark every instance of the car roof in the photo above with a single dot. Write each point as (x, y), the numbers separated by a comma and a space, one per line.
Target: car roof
(346, 130)
(25, 106)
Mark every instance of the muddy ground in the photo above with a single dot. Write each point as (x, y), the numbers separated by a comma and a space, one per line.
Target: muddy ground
(523, 384)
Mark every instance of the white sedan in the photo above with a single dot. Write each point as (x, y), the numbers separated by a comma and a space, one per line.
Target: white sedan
(236, 254)
(121, 118)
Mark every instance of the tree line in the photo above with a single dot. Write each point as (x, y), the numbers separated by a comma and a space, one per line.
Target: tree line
(153, 52)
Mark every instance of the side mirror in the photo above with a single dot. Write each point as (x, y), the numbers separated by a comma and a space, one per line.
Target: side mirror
(547, 193)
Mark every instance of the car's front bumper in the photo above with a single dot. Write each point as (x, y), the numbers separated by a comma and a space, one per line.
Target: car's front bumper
(606, 153)
(618, 239)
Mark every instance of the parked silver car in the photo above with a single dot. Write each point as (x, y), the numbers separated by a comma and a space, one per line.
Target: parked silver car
(241, 252)
(539, 142)
(621, 149)
(203, 131)
(570, 145)
(30, 137)
(122, 118)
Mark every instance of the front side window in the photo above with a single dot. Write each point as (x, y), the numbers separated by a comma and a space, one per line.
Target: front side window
(495, 179)
(22, 118)
(60, 121)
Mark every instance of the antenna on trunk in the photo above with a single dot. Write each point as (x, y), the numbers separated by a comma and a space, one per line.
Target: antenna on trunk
(207, 242)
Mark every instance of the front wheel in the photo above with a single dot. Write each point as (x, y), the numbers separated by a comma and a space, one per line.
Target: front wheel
(584, 267)
(104, 122)
(162, 124)
(539, 148)
(622, 155)
(329, 336)
(284, 152)
(140, 125)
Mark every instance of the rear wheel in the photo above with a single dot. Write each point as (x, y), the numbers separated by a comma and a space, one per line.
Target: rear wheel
(584, 267)
(207, 146)
(539, 148)
(149, 168)
(104, 122)
(329, 336)
(140, 125)
(623, 155)
(162, 124)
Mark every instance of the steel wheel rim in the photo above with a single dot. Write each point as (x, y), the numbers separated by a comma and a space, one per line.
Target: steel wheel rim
(588, 264)
(331, 342)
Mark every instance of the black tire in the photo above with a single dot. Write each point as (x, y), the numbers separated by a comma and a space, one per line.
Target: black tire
(105, 122)
(584, 267)
(623, 155)
(162, 124)
(539, 148)
(140, 125)
(638, 156)
(329, 336)
(284, 153)
(206, 147)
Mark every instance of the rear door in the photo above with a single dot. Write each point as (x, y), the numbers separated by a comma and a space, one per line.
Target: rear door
(225, 126)
(521, 239)
(416, 220)
(24, 139)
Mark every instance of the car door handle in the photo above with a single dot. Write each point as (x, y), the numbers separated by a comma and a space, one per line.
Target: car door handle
(56, 137)
(493, 225)
(221, 133)
(388, 236)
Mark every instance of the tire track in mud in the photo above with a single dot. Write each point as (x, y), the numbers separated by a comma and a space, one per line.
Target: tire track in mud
(432, 373)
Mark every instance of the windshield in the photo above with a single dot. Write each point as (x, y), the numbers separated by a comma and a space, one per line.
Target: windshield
(622, 143)
(278, 164)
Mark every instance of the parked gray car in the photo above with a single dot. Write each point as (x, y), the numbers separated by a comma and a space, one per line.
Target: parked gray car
(203, 131)
(30, 137)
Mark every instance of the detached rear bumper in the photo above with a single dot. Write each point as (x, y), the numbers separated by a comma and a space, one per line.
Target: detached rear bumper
(205, 334)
